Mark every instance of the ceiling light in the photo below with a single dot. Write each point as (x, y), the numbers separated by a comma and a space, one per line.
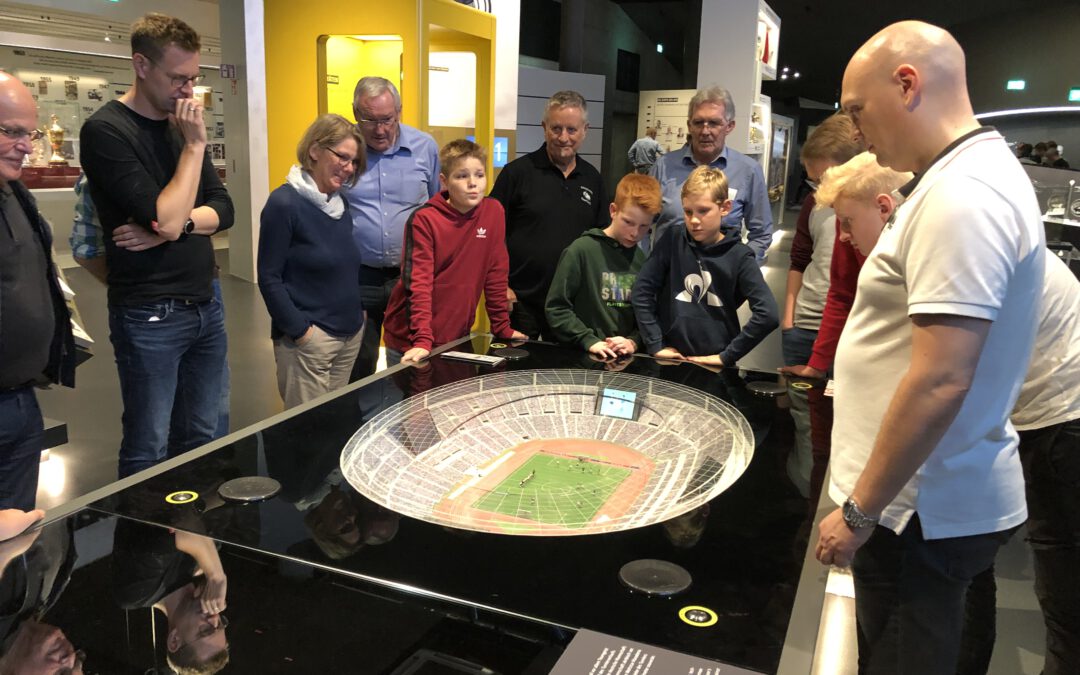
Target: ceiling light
(659, 48)
(785, 69)
(1015, 85)
(796, 75)
(783, 76)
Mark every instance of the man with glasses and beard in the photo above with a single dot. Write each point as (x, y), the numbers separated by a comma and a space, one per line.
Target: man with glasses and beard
(711, 117)
(402, 173)
(144, 155)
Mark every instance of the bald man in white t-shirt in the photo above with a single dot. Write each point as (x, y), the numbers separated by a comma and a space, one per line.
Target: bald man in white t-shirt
(924, 459)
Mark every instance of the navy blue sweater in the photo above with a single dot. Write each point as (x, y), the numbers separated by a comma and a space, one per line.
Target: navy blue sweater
(309, 267)
(686, 296)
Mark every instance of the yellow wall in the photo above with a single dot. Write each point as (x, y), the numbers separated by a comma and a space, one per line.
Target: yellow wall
(350, 58)
(298, 48)
(294, 43)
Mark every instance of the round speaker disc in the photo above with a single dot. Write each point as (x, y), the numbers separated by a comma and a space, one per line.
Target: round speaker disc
(766, 388)
(249, 489)
(655, 577)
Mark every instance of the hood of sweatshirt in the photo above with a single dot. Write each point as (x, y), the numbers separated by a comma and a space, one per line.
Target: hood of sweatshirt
(441, 202)
(719, 248)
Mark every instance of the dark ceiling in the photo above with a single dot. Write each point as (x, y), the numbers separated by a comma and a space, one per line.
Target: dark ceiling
(817, 36)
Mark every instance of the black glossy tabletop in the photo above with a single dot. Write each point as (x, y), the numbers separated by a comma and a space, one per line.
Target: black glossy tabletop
(319, 566)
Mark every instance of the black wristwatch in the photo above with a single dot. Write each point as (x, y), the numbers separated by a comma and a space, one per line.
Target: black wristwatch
(856, 518)
(188, 228)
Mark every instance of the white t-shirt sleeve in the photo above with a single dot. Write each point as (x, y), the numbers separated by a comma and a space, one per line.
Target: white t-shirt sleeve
(962, 252)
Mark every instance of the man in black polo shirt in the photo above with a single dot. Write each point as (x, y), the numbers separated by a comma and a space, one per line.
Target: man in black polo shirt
(145, 158)
(551, 196)
(35, 328)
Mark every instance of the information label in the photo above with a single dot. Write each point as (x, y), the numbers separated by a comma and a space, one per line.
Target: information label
(592, 653)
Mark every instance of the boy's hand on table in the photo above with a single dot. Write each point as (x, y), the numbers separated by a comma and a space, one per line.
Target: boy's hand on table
(603, 350)
(710, 360)
(669, 353)
(622, 346)
(803, 371)
(415, 354)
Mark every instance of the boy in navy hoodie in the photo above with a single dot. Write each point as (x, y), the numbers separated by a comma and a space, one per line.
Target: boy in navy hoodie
(454, 250)
(690, 288)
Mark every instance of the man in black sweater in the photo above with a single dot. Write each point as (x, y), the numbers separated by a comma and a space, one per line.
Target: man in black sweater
(551, 196)
(145, 157)
(36, 344)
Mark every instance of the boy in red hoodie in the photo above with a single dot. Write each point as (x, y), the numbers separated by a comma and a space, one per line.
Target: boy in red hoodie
(454, 249)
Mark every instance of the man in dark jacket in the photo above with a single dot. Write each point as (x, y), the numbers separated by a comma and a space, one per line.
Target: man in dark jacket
(36, 344)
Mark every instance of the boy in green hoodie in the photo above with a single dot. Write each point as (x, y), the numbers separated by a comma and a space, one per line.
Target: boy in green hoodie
(588, 304)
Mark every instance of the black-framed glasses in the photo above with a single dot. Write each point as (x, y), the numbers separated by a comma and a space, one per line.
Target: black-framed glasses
(15, 134)
(206, 630)
(344, 160)
(385, 122)
(80, 659)
(179, 80)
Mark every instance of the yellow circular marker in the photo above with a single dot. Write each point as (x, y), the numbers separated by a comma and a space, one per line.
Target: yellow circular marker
(802, 385)
(182, 497)
(498, 345)
(697, 616)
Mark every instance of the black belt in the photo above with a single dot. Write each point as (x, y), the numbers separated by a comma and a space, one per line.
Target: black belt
(385, 271)
(20, 387)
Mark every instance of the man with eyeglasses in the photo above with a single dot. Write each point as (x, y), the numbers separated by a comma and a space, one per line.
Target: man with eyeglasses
(144, 156)
(36, 344)
(402, 174)
(551, 197)
(711, 117)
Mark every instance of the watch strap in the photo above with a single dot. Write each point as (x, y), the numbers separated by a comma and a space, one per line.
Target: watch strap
(855, 517)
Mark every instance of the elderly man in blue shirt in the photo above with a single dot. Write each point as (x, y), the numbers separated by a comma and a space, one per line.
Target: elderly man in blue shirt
(402, 174)
(711, 118)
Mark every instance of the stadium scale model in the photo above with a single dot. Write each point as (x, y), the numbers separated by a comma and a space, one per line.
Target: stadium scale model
(550, 452)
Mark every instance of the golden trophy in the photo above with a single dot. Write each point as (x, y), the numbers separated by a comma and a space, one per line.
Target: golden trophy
(56, 140)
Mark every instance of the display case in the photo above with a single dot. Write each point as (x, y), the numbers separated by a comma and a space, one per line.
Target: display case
(768, 41)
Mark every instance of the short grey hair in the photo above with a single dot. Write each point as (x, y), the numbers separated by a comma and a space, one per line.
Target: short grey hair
(713, 94)
(372, 86)
(567, 99)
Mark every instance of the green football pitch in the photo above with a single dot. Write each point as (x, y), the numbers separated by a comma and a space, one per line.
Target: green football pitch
(562, 491)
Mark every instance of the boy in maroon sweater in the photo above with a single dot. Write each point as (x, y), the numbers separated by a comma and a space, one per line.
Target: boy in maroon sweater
(455, 248)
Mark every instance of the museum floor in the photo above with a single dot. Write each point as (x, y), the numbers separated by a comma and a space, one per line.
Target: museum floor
(92, 413)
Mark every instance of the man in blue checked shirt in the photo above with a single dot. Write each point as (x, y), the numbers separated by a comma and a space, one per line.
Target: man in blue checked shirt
(402, 174)
(710, 118)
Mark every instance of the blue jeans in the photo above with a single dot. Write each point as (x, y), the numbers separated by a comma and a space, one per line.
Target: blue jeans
(171, 360)
(393, 357)
(22, 434)
(797, 345)
(223, 415)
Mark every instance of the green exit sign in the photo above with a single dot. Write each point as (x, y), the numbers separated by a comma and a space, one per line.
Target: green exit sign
(1074, 94)
(1015, 85)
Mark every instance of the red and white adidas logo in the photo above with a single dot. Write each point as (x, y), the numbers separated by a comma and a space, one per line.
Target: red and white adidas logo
(481, 233)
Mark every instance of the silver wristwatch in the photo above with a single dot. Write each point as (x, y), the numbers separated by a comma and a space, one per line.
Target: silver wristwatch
(855, 518)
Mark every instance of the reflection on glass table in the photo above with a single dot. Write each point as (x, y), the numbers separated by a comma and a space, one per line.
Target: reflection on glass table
(744, 548)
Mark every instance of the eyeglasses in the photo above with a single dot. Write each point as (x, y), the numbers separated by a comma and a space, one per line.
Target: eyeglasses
(80, 659)
(180, 80)
(709, 124)
(16, 134)
(386, 122)
(343, 160)
(206, 630)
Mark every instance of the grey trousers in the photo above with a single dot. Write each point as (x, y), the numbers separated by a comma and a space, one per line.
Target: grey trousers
(320, 365)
